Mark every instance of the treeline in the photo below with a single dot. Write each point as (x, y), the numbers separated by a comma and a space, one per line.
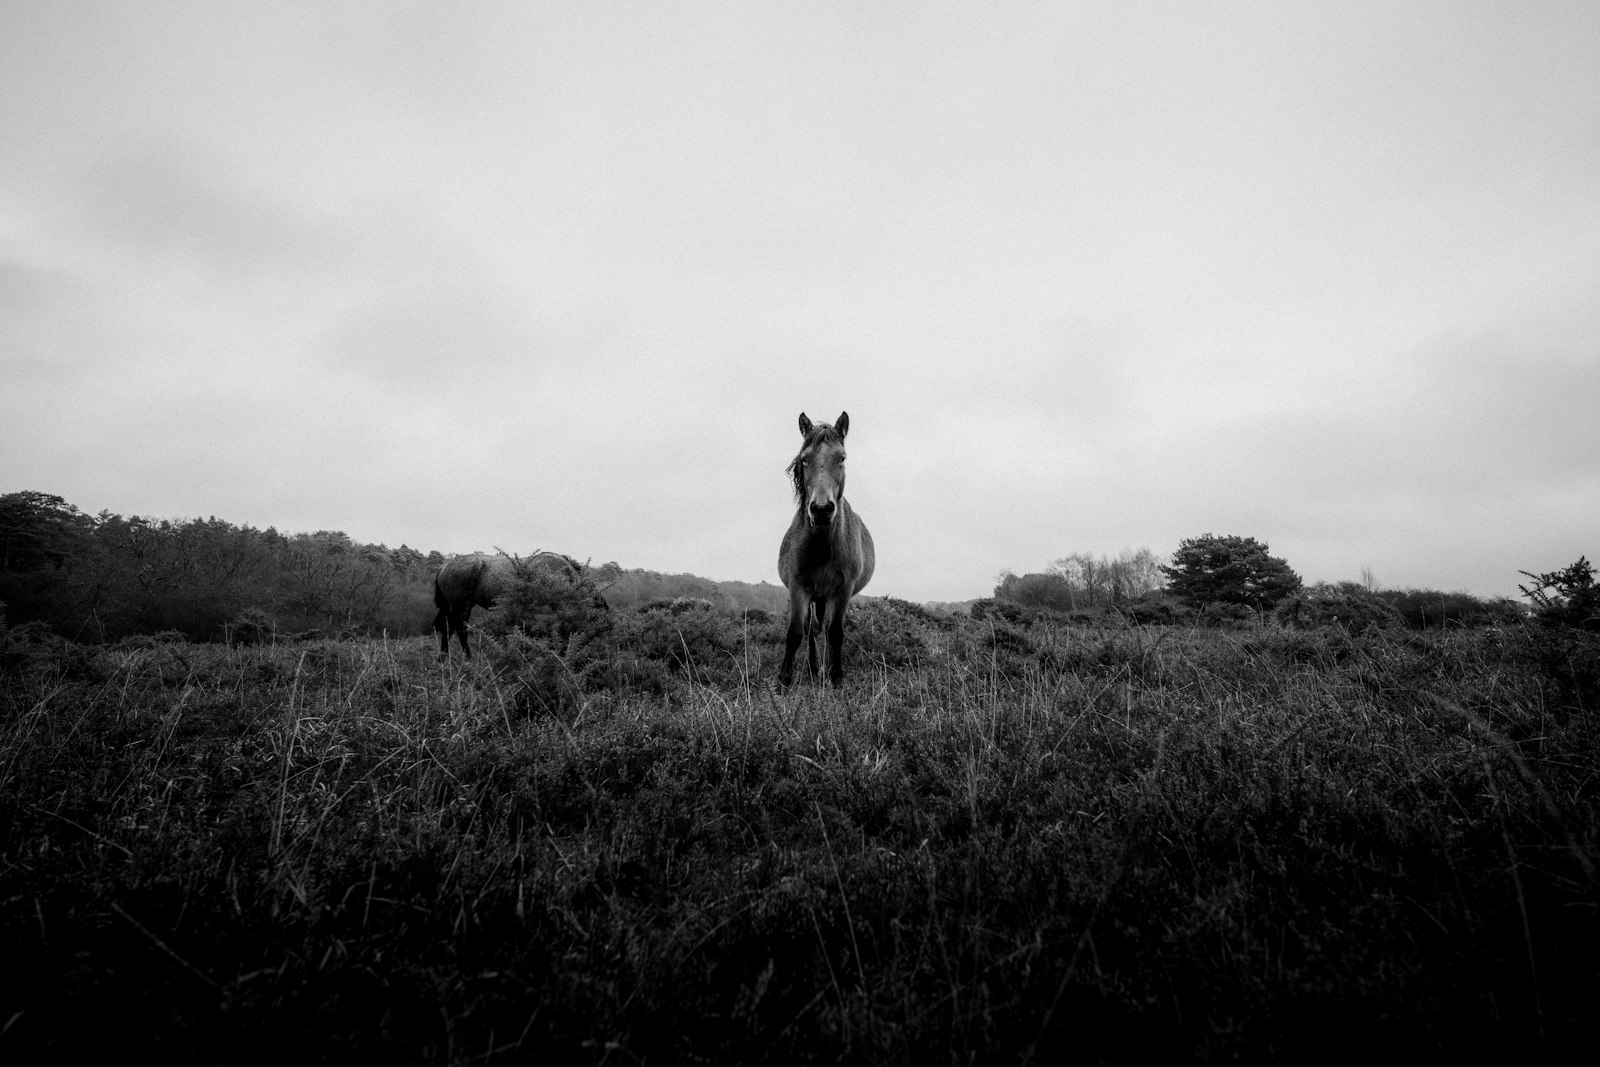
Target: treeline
(1230, 579)
(636, 588)
(103, 577)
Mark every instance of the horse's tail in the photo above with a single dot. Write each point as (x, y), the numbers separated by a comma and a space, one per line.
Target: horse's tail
(439, 620)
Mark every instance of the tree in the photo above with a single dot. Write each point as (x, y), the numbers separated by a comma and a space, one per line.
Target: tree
(1566, 597)
(327, 580)
(42, 539)
(1100, 581)
(1229, 570)
(1084, 582)
(1050, 591)
(38, 530)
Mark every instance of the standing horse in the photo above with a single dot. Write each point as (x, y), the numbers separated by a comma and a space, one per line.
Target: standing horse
(479, 579)
(827, 554)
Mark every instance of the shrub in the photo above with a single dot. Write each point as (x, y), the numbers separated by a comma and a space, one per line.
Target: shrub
(889, 632)
(688, 636)
(992, 608)
(1347, 606)
(552, 607)
(1566, 646)
(1157, 608)
(541, 681)
(1222, 613)
(1422, 609)
(252, 626)
(1566, 597)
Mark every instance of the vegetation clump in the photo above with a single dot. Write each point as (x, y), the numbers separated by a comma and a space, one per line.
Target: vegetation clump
(1347, 605)
(1423, 609)
(1566, 647)
(1567, 597)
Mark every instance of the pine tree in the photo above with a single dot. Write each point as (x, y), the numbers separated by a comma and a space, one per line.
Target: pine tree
(1229, 570)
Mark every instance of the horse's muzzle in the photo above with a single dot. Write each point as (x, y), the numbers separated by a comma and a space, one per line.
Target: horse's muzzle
(821, 514)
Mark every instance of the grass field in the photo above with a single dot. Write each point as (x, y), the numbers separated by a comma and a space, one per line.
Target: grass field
(998, 842)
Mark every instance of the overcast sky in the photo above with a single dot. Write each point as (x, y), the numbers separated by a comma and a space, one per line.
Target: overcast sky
(1086, 276)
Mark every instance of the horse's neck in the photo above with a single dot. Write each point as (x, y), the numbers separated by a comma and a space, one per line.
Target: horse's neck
(818, 548)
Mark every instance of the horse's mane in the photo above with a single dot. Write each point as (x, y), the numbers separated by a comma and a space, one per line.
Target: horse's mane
(822, 433)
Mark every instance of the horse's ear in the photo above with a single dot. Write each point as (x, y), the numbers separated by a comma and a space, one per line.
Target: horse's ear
(843, 425)
(805, 425)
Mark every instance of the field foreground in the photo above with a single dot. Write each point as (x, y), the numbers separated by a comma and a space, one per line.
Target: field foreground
(998, 842)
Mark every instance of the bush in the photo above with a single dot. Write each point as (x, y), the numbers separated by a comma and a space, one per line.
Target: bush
(992, 608)
(1570, 659)
(1157, 609)
(541, 682)
(552, 607)
(1566, 646)
(1346, 605)
(1422, 609)
(688, 636)
(252, 626)
(1566, 597)
(1221, 613)
(34, 646)
(890, 633)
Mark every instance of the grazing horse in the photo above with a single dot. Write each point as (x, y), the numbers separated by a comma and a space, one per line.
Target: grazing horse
(827, 554)
(479, 579)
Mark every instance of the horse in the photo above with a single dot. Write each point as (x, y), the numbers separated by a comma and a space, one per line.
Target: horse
(479, 579)
(827, 554)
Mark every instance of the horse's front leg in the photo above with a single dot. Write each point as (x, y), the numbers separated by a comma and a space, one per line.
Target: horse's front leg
(836, 643)
(799, 613)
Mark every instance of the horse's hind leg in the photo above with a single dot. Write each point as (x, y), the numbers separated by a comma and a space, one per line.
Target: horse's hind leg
(459, 623)
(813, 625)
(441, 625)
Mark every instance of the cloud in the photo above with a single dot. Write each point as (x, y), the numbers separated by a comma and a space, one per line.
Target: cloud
(456, 334)
(1085, 281)
(187, 206)
(1473, 460)
(1510, 406)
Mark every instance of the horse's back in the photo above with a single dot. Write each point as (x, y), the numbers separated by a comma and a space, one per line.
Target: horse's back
(475, 577)
(869, 557)
(555, 563)
(789, 552)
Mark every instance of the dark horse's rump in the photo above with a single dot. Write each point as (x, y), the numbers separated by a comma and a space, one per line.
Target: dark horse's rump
(480, 579)
(827, 554)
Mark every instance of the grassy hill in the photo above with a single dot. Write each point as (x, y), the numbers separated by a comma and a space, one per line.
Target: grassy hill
(611, 840)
